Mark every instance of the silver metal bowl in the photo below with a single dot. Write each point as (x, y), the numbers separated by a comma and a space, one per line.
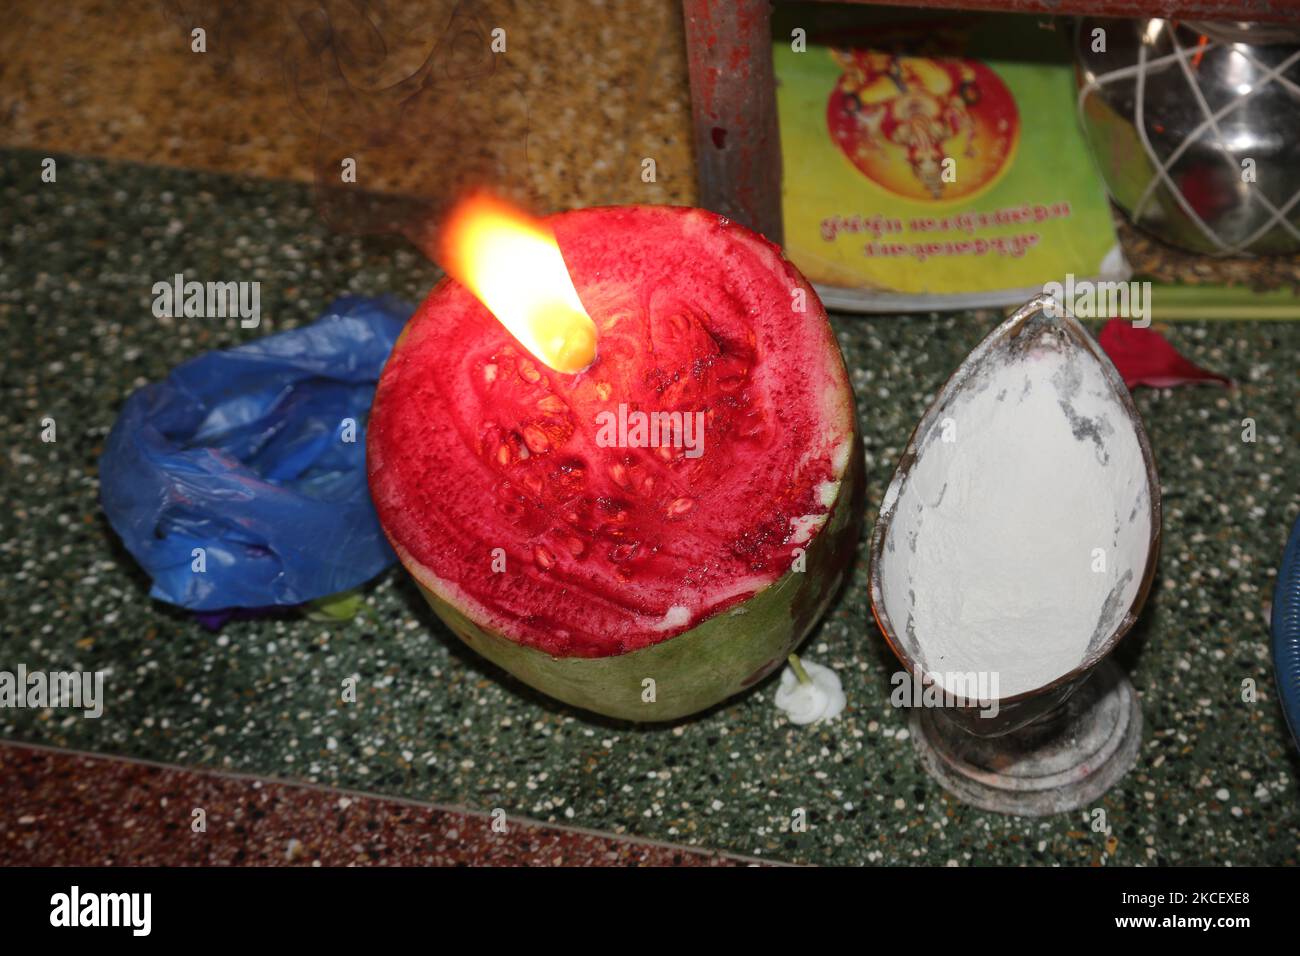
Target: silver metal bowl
(1196, 129)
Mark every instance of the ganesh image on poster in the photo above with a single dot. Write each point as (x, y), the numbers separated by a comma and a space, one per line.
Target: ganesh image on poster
(930, 127)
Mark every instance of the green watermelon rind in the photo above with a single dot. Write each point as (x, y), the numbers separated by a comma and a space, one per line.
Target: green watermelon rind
(720, 657)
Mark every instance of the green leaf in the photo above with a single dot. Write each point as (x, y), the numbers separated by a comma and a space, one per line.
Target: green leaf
(343, 606)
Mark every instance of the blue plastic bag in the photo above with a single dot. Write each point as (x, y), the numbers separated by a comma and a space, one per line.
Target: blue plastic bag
(233, 481)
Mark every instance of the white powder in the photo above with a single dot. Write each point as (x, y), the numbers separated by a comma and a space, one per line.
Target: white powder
(1024, 485)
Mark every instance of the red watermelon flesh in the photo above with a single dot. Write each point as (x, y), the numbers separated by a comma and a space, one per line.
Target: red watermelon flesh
(476, 446)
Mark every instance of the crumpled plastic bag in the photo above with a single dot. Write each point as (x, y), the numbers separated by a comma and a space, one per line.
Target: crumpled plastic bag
(244, 454)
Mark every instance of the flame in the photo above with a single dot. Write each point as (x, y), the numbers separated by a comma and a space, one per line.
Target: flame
(512, 263)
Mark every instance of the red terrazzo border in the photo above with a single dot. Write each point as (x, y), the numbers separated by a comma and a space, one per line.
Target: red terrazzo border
(59, 808)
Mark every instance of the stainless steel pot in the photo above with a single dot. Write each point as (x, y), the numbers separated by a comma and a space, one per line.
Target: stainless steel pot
(1196, 129)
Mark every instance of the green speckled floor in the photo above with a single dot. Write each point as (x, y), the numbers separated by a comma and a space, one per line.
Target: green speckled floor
(1216, 780)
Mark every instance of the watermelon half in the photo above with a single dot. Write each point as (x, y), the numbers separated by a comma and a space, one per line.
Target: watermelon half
(640, 581)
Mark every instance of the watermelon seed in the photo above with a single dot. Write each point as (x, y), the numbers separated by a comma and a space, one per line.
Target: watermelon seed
(536, 439)
(679, 506)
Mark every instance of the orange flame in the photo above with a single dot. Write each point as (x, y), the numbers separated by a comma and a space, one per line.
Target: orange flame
(512, 264)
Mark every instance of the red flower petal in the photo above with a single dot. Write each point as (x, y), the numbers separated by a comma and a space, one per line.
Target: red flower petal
(1145, 357)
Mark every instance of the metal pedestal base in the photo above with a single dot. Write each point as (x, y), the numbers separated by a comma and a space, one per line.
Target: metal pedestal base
(1063, 762)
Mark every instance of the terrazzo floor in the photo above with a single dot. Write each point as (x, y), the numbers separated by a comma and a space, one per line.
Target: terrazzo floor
(1217, 778)
(163, 816)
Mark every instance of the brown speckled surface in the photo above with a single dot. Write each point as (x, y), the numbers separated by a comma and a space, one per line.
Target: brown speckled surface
(66, 809)
(595, 86)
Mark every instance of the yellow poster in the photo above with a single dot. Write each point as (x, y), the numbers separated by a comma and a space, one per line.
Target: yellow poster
(934, 157)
